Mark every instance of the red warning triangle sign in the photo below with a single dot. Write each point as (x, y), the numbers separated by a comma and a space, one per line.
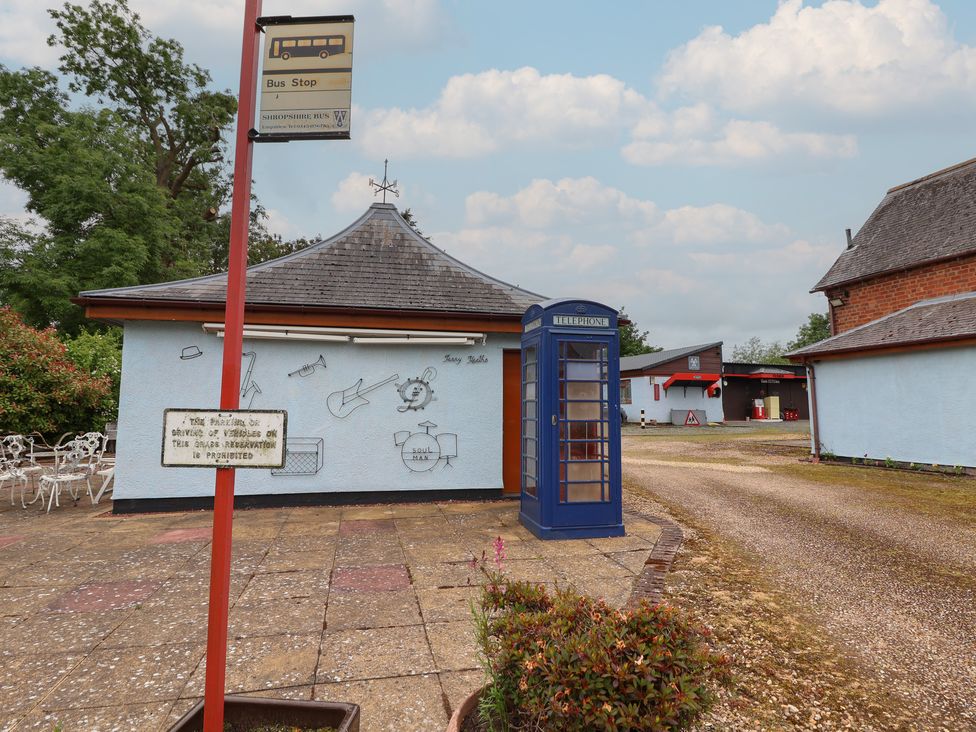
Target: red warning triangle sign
(691, 420)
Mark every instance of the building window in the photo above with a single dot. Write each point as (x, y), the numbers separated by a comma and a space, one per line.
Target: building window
(694, 363)
(625, 391)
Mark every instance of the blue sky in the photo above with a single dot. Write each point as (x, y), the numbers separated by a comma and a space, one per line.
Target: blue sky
(696, 162)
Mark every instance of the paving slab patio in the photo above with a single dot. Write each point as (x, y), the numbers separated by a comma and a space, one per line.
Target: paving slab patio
(103, 617)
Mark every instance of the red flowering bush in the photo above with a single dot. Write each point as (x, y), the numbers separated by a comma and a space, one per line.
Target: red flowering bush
(564, 661)
(40, 388)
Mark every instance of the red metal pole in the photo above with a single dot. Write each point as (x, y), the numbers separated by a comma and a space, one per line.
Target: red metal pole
(230, 380)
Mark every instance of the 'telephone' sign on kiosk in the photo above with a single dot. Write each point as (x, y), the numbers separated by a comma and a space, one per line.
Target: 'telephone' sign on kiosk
(306, 79)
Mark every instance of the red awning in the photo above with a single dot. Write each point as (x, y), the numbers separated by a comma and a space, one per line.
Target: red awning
(691, 379)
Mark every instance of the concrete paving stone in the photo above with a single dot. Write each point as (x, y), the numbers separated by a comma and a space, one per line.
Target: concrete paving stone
(160, 625)
(288, 543)
(615, 590)
(515, 549)
(393, 704)
(287, 561)
(366, 526)
(423, 525)
(454, 645)
(173, 536)
(623, 543)
(596, 565)
(529, 570)
(128, 676)
(366, 513)
(285, 585)
(297, 693)
(49, 573)
(244, 530)
(633, 561)
(25, 679)
(10, 539)
(433, 552)
(193, 589)
(357, 553)
(414, 510)
(446, 574)
(264, 662)
(476, 507)
(642, 528)
(296, 616)
(566, 548)
(179, 708)
(46, 632)
(363, 654)
(458, 685)
(100, 719)
(371, 609)
(439, 605)
(100, 596)
(377, 578)
(21, 601)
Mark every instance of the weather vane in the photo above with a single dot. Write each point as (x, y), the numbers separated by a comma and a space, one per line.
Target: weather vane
(385, 185)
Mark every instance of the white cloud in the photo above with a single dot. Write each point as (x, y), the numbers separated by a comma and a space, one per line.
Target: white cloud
(841, 56)
(354, 194)
(477, 114)
(714, 224)
(695, 135)
(545, 203)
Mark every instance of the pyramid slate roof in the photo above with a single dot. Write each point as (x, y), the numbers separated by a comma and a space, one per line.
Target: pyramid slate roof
(377, 263)
(929, 219)
(942, 319)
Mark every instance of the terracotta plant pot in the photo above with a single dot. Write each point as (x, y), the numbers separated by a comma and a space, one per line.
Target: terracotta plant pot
(245, 712)
(468, 706)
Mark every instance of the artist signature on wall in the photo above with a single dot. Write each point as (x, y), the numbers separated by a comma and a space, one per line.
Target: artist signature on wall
(458, 360)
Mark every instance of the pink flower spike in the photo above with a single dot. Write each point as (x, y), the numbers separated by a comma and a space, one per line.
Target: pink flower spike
(499, 545)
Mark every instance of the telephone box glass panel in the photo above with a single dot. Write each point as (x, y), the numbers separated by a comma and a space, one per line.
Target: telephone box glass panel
(530, 421)
(583, 428)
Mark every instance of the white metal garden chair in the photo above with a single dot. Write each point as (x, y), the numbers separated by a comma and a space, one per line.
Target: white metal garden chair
(21, 465)
(72, 465)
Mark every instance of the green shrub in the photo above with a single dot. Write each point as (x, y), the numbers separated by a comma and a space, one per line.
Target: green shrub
(41, 389)
(100, 354)
(569, 662)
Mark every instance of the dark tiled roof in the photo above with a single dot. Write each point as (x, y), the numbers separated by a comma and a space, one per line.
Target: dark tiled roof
(942, 319)
(377, 263)
(650, 360)
(928, 219)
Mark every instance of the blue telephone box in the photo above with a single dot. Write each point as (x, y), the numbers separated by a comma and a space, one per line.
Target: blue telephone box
(571, 421)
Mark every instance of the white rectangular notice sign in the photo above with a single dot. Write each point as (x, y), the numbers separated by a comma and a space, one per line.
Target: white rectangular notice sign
(581, 321)
(211, 438)
(306, 79)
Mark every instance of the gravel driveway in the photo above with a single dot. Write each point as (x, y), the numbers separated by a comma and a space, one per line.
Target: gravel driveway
(887, 568)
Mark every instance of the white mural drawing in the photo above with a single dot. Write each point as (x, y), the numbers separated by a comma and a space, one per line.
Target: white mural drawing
(345, 402)
(417, 393)
(422, 451)
(309, 368)
(248, 385)
(303, 456)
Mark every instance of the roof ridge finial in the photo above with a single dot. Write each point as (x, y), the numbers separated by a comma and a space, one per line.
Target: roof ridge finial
(385, 185)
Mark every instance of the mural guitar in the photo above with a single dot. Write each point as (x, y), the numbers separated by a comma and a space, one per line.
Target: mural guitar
(345, 402)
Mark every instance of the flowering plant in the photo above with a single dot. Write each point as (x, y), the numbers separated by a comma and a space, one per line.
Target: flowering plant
(569, 662)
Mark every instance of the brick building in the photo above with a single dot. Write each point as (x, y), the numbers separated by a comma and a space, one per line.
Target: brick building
(894, 381)
(919, 243)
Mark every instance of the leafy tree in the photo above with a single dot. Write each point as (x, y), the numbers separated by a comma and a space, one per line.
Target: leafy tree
(41, 389)
(816, 329)
(409, 217)
(633, 341)
(128, 191)
(755, 351)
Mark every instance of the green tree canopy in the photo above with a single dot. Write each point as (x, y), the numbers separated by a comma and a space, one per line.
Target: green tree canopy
(128, 189)
(633, 340)
(755, 351)
(816, 329)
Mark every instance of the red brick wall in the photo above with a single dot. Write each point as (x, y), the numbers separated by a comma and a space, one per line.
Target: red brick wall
(878, 297)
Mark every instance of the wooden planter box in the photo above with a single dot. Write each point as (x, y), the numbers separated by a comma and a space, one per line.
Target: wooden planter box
(247, 712)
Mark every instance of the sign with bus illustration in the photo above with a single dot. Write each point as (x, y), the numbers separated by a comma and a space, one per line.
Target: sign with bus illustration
(306, 78)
